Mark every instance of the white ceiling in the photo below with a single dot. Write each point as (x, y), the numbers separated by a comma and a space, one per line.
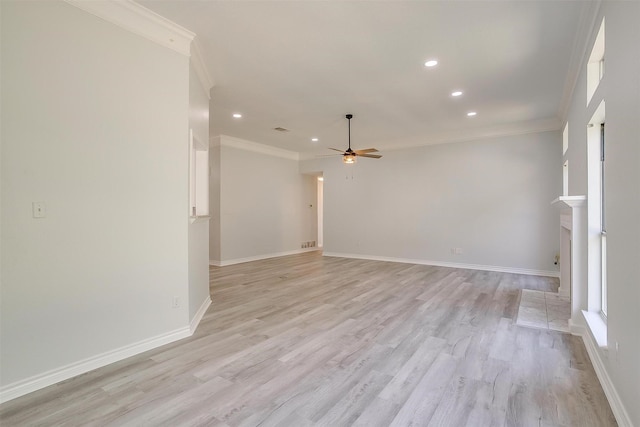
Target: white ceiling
(303, 65)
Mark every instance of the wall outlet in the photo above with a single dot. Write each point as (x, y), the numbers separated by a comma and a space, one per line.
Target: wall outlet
(175, 302)
(456, 251)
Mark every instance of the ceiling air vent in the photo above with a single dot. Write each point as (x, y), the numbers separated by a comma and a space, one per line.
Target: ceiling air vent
(281, 129)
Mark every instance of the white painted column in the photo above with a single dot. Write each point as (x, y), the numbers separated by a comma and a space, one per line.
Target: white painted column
(578, 257)
(565, 254)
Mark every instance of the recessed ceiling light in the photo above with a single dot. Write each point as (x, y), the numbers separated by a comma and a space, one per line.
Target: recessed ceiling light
(471, 113)
(314, 139)
(456, 93)
(431, 63)
(237, 115)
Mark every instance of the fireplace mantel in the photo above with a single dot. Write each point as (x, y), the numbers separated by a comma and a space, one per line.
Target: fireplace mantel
(570, 201)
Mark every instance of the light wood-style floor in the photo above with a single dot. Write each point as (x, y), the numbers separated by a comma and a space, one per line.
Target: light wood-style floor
(308, 340)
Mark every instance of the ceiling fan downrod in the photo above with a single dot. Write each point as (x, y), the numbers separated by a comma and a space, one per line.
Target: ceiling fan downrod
(349, 117)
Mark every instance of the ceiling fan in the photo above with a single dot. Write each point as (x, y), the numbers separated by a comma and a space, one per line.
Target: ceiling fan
(349, 156)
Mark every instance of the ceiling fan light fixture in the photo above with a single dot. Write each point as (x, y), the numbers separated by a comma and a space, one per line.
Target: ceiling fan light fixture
(349, 159)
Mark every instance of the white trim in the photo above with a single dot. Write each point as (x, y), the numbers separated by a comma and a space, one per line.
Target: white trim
(260, 257)
(199, 66)
(36, 382)
(617, 407)
(243, 144)
(513, 270)
(576, 328)
(131, 16)
(597, 328)
(199, 314)
(570, 201)
(511, 129)
(199, 218)
(566, 221)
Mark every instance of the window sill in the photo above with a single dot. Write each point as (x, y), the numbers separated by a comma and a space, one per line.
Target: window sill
(597, 326)
(199, 218)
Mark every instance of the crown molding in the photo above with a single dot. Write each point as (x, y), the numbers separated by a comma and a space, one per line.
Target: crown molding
(512, 129)
(140, 20)
(243, 144)
(197, 61)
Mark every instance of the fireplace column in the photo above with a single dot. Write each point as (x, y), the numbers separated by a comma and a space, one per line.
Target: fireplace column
(573, 231)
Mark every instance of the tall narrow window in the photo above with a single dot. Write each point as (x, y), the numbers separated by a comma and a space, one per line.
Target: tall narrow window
(595, 66)
(596, 234)
(603, 228)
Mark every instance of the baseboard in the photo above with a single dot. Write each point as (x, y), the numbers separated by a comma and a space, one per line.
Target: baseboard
(617, 407)
(199, 314)
(576, 329)
(449, 264)
(260, 257)
(37, 382)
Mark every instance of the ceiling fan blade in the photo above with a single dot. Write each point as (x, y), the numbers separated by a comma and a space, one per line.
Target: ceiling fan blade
(371, 156)
(335, 149)
(366, 150)
(328, 155)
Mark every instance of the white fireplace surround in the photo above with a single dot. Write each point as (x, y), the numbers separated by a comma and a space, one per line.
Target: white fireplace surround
(573, 249)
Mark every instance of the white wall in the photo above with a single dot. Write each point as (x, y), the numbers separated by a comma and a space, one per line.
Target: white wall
(94, 124)
(620, 89)
(198, 230)
(266, 206)
(490, 197)
(214, 199)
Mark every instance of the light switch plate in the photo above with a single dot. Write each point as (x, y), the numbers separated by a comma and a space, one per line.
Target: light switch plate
(39, 210)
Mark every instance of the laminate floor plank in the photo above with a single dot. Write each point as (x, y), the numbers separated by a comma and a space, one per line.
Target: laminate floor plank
(307, 340)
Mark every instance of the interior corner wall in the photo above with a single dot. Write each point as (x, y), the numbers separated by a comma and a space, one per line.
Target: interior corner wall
(620, 90)
(94, 125)
(490, 198)
(264, 205)
(198, 230)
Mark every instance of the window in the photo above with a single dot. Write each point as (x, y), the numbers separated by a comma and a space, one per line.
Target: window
(603, 228)
(595, 66)
(596, 214)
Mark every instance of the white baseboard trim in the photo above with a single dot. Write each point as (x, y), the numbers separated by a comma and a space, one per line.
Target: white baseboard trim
(619, 411)
(36, 382)
(193, 325)
(260, 257)
(576, 328)
(448, 264)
